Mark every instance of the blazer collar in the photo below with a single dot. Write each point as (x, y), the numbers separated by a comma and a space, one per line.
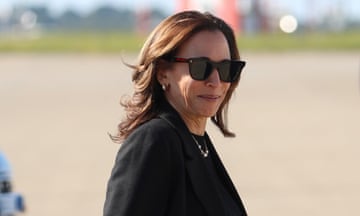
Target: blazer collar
(195, 165)
(170, 115)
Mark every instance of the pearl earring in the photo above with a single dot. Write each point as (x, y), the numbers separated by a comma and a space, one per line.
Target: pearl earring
(163, 86)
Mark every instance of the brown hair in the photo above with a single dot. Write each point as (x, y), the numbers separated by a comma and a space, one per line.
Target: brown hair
(164, 41)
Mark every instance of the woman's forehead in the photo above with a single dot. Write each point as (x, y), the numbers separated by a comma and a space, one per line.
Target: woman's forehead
(206, 44)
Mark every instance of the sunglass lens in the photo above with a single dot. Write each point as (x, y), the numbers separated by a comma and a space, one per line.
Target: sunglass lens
(224, 71)
(198, 69)
(229, 71)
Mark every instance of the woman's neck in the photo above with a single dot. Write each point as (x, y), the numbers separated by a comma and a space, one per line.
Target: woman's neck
(196, 126)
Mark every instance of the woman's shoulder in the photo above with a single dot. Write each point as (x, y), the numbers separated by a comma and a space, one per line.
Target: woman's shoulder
(153, 139)
(153, 132)
(155, 126)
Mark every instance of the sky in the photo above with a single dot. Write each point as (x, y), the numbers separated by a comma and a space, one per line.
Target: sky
(298, 8)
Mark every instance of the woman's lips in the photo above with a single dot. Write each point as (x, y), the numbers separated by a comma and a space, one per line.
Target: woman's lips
(210, 97)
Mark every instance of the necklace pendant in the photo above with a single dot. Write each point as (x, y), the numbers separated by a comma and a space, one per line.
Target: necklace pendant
(204, 153)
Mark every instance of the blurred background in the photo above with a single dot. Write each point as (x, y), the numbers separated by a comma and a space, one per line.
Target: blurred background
(296, 111)
(66, 25)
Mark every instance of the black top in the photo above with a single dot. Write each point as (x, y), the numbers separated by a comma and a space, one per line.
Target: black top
(159, 171)
(229, 204)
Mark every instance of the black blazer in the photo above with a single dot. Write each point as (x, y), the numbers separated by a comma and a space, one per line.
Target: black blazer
(159, 171)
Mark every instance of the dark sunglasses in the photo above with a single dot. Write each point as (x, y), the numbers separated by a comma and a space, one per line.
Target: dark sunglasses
(200, 68)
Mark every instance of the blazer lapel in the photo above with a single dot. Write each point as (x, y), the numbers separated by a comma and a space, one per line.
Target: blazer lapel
(202, 183)
(224, 176)
(203, 187)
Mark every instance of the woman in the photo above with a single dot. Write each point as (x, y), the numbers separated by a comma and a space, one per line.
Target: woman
(167, 165)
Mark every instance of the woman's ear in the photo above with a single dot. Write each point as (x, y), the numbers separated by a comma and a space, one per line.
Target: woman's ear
(162, 71)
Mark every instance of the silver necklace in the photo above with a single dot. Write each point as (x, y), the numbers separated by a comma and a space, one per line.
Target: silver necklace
(205, 152)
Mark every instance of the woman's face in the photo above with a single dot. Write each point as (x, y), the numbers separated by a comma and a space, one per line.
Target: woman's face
(192, 98)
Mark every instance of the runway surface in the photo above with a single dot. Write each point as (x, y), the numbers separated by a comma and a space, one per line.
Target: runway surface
(296, 116)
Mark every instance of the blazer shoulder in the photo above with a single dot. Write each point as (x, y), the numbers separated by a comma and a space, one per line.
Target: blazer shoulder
(156, 133)
(155, 127)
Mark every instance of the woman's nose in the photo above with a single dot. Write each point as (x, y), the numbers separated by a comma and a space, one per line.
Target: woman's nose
(214, 78)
